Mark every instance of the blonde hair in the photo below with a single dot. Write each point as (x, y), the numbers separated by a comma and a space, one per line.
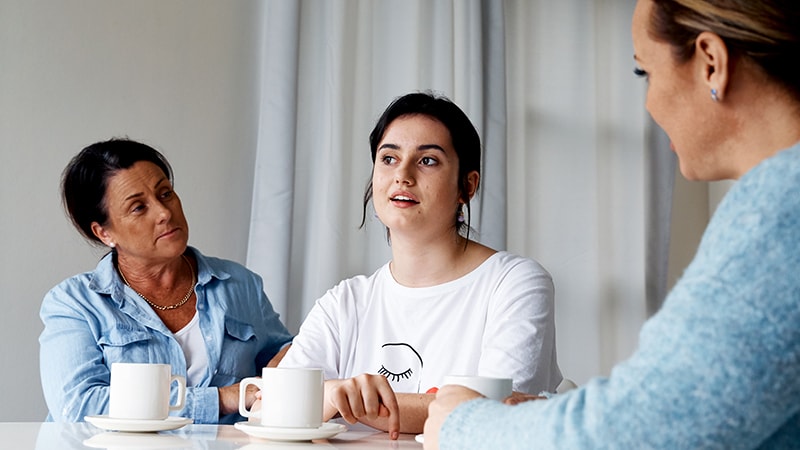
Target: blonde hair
(764, 31)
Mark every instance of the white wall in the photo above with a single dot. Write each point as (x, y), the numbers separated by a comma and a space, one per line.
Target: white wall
(180, 75)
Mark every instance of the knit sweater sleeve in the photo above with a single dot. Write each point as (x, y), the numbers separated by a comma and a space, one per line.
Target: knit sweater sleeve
(717, 367)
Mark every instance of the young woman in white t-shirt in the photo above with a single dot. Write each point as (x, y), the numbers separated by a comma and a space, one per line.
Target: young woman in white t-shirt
(444, 304)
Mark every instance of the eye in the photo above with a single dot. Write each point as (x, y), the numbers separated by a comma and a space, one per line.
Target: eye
(639, 72)
(387, 159)
(395, 376)
(429, 161)
(137, 208)
(167, 194)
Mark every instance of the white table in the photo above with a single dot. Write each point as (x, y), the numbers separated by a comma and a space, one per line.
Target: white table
(65, 436)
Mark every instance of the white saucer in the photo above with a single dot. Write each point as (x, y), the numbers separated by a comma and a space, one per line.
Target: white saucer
(328, 429)
(420, 438)
(112, 424)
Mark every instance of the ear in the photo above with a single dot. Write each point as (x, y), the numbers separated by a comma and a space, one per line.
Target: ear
(473, 179)
(102, 234)
(713, 57)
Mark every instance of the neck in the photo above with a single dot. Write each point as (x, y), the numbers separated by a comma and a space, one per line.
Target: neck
(422, 263)
(164, 286)
(764, 119)
(152, 274)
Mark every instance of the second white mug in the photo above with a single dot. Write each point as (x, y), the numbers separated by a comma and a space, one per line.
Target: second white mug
(290, 398)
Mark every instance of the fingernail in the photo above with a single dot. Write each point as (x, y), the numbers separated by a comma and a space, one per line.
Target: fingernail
(395, 435)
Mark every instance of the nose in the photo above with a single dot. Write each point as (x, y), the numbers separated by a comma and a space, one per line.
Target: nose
(404, 173)
(163, 213)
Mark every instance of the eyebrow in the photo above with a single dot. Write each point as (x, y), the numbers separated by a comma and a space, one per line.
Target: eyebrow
(139, 194)
(420, 147)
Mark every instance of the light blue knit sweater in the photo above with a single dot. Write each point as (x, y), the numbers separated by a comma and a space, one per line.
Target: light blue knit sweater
(717, 367)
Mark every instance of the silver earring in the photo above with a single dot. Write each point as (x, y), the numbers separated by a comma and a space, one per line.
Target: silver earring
(460, 217)
(112, 245)
(714, 95)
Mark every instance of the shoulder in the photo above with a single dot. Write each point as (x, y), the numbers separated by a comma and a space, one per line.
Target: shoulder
(358, 288)
(515, 280)
(762, 207)
(771, 185)
(77, 284)
(212, 267)
(516, 265)
(360, 283)
(76, 294)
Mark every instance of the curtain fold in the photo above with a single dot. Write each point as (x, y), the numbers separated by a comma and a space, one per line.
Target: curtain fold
(660, 168)
(549, 87)
(490, 207)
(269, 250)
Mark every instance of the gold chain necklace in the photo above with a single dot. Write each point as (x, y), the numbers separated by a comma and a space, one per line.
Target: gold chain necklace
(168, 307)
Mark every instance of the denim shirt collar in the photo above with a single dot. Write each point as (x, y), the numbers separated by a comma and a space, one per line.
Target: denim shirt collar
(106, 280)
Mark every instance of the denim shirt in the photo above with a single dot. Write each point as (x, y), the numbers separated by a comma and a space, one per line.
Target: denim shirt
(93, 320)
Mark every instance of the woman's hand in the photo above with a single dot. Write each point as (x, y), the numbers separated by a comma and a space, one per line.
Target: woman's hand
(229, 398)
(447, 399)
(518, 397)
(363, 397)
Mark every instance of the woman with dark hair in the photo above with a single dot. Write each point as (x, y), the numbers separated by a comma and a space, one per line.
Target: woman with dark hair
(444, 304)
(151, 299)
(719, 365)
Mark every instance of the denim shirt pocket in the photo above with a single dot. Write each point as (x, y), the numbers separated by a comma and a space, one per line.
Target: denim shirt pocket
(239, 350)
(126, 343)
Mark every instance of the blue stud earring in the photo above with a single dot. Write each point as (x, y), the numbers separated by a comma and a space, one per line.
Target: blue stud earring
(714, 95)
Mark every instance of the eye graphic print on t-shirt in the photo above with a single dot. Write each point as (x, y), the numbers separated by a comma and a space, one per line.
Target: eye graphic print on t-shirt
(402, 366)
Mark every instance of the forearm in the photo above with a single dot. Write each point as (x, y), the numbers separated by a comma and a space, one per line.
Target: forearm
(279, 356)
(413, 412)
(202, 405)
(74, 405)
(73, 375)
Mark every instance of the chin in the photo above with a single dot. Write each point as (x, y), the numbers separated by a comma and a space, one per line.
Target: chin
(691, 174)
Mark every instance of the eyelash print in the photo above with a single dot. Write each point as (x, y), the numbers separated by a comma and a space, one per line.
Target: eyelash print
(395, 376)
(639, 72)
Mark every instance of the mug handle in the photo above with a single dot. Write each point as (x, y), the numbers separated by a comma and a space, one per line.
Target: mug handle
(181, 392)
(243, 395)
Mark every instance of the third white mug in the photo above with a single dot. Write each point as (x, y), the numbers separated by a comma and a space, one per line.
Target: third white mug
(290, 398)
(494, 388)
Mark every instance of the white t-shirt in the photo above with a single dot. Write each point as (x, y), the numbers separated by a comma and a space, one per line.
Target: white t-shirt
(497, 321)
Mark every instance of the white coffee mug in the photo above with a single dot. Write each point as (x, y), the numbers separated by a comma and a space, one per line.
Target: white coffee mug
(290, 398)
(141, 391)
(494, 388)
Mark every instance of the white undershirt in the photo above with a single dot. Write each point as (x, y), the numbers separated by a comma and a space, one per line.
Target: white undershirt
(191, 341)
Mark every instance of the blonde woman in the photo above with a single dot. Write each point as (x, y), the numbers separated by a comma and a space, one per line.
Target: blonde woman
(719, 365)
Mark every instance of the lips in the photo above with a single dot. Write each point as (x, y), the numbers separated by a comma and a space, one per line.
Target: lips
(403, 197)
(168, 233)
